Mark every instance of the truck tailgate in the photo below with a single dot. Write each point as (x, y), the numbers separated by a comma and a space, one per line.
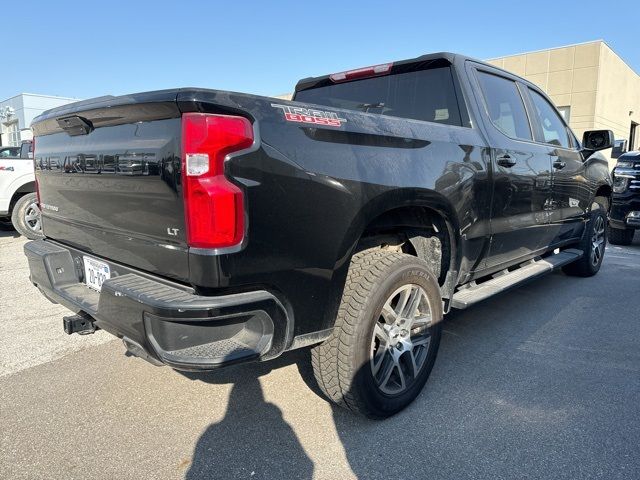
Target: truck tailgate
(109, 181)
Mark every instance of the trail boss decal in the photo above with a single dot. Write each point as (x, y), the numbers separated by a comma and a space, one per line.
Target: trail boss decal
(310, 115)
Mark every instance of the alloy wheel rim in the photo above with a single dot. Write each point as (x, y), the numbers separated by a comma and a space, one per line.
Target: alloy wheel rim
(401, 339)
(597, 241)
(32, 217)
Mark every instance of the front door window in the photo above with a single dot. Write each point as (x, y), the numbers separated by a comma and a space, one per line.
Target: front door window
(554, 131)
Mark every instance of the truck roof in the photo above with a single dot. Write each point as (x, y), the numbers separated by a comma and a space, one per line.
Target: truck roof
(428, 60)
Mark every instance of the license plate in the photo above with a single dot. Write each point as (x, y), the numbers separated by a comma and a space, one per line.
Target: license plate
(95, 273)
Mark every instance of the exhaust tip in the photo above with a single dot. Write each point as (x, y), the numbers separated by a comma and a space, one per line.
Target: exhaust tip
(135, 349)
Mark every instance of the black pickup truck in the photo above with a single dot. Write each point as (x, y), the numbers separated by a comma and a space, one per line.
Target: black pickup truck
(206, 228)
(625, 208)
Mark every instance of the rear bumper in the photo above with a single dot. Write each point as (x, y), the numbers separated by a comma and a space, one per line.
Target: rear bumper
(162, 321)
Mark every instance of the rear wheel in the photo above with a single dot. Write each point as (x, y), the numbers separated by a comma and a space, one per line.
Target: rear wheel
(26, 217)
(386, 335)
(621, 236)
(593, 243)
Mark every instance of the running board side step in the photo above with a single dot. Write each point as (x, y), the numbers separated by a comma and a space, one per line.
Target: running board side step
(474, 293)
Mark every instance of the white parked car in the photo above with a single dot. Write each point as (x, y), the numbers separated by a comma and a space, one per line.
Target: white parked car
(18, 202)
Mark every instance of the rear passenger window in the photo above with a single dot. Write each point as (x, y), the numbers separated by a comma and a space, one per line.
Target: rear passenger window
(553, 129)
(505, 106)
(422, 95)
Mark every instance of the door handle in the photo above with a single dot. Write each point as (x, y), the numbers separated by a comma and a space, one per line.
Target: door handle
(506, 161)
(559, 164)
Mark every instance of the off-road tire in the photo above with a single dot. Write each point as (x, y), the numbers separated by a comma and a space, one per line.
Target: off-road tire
(342, 363)
(586, 267)
(18, 217)
(621, 236)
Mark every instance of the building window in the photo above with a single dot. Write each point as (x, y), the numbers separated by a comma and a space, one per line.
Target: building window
(565, 112)
(13, 134)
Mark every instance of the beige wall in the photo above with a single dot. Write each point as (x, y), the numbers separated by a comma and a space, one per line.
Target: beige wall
(618, 100)
(590, 78)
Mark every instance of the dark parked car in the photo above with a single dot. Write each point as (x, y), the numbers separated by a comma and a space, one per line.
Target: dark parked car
(625, 210)
(352, 218)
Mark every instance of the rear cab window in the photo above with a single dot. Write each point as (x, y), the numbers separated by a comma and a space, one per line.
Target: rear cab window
(26, 150)
(428, 95)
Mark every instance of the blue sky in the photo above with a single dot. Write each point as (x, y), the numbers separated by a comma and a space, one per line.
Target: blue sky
(90, 48)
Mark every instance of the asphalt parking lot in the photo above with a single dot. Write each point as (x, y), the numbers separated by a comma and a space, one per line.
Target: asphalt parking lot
(543, 382)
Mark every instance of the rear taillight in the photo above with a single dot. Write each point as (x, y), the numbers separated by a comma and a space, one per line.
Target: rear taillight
(38, 192)
(366, 72)
(214, 207)
(33, 150)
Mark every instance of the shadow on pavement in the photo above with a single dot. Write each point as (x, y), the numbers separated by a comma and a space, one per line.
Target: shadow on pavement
(7, 230)
(524, 385)
(253, 438)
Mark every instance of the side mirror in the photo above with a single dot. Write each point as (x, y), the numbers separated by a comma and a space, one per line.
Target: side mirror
(597, 140)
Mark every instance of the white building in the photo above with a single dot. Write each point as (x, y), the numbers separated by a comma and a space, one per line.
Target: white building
(16, 114)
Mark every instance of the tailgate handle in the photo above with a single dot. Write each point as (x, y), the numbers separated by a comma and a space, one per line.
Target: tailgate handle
(75, 125)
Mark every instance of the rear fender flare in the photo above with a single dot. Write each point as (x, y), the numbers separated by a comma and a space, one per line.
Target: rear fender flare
(396, 199)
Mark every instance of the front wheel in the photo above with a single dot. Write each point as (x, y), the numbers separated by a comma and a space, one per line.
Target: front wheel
(621, 236)
(26, 217)
(593, 243)
(386, 336)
